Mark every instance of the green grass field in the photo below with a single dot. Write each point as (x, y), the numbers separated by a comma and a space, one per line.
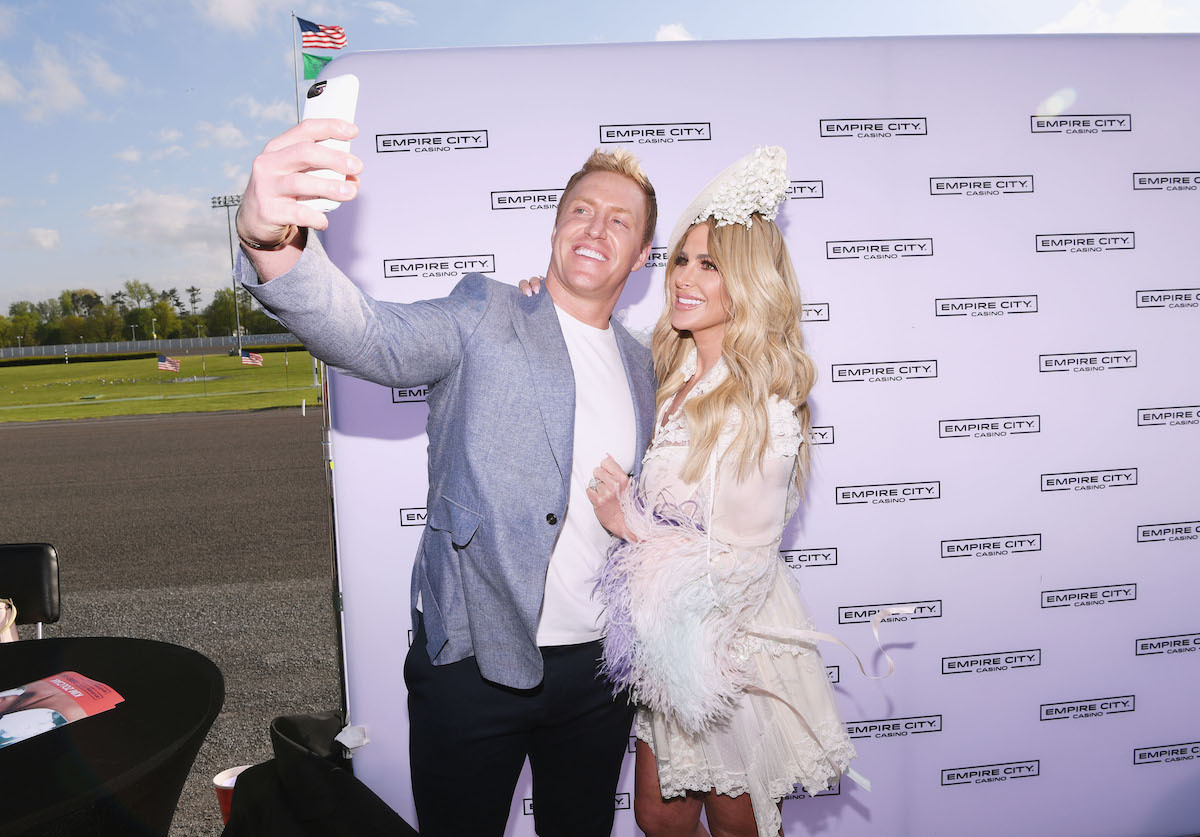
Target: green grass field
(137, 387)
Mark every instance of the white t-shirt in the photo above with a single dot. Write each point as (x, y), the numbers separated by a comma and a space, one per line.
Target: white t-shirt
(604, 424)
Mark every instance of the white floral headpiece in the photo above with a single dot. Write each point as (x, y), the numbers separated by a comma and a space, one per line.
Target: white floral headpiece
(757, 183)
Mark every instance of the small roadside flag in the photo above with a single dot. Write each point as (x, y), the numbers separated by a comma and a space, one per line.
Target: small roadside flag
(251, 359)
(168, 364)
(316, 36)
(313, 64)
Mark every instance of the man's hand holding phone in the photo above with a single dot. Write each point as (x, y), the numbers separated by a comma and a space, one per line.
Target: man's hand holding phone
(280, 178)
(300, 175)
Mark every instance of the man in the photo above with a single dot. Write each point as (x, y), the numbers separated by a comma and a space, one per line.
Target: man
(526, 397)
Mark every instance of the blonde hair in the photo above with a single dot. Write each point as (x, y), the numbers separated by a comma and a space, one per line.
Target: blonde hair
(762, 347)
(618, 161)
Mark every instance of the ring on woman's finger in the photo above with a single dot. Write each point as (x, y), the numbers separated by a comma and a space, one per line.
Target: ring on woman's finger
(593, 484)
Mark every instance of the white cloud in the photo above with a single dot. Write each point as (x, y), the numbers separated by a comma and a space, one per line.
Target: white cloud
(52, 178)
(6, 201)
(240, 15)
(390, 13)
(673, 32)
(54, 89)
(276, 111)
(8, 21)
(225, 135)
(169, 135)
(10, 88)
(1128, 16)
(129, 155)
(169, 151)
(44, 239)
(165, 219)
(321, 10)
(50, 84)
(101, 74)
(237, 175)
(180, 234)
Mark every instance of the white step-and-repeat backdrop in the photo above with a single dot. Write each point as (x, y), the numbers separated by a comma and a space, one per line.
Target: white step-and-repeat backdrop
(997, 241)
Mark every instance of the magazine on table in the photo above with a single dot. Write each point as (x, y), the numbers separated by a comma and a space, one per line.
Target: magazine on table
(51, 702)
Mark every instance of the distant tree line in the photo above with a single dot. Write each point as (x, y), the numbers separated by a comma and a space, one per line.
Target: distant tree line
(138, 311)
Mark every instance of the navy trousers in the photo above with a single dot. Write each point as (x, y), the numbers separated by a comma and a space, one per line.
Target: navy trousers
(468, 739)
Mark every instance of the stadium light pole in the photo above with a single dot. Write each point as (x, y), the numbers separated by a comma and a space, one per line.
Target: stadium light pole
(227, 201)
(154, 328)
(134, 328)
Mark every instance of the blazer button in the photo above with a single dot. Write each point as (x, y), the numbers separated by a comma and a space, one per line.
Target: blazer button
(552, 519)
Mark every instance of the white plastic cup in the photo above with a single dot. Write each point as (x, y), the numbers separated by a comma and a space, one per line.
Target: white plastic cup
(223, 784)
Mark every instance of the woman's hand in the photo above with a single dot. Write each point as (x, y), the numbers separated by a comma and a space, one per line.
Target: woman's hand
(608, 482)
(531, 286)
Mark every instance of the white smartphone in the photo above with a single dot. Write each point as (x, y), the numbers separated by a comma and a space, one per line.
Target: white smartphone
(331, 98)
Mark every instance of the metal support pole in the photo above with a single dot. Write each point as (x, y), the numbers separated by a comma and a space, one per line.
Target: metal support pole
(228, 201)
(295, 66)
(237, 314)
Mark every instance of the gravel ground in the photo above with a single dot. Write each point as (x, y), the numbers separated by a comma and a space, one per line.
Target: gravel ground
(206, 530)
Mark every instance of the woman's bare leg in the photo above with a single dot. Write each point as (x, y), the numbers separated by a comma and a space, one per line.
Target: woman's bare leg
(658, 817)
(731, 816)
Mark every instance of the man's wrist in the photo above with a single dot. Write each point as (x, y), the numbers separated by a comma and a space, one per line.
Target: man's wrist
(289, 233)
(269, 264)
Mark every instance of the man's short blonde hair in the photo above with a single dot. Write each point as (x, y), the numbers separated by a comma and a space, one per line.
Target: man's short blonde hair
(619, 161)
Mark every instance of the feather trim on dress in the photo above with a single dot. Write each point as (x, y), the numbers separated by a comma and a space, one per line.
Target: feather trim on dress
(678, 605)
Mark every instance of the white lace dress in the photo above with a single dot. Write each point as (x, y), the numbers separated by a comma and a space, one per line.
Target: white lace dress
(721, 705)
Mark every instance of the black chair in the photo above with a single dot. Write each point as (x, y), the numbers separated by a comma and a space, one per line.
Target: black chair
(29, 576)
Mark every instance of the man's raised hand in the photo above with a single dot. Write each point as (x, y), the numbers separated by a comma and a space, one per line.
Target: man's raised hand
(279, 180)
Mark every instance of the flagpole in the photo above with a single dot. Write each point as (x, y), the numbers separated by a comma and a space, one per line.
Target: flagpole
(295, 67)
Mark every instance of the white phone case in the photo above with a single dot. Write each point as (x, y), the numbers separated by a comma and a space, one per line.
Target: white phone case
(332, 98)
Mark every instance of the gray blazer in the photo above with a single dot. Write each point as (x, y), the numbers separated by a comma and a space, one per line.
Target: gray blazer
(497, 368)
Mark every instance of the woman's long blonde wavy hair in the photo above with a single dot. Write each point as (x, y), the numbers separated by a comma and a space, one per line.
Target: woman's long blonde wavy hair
(762, 347)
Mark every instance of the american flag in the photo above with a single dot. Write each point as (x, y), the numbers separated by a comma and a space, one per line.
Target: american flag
(251, 359)
(320, 37)
(168, 364)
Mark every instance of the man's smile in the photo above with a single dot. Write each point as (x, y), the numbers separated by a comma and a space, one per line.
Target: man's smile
(590, 253)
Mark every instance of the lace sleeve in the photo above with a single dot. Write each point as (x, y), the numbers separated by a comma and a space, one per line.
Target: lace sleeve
(752, 511)
(786, 431)
(785, 434)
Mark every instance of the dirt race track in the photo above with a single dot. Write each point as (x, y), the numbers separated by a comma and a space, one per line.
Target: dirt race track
(207, 530)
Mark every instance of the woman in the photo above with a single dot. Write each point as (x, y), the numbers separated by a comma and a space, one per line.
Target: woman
(703, 622)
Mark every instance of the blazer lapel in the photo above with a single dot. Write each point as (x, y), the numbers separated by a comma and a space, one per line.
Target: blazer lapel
(642, 386)
(551, 372)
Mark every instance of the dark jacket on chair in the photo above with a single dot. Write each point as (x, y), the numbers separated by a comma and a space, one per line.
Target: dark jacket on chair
(308, 789)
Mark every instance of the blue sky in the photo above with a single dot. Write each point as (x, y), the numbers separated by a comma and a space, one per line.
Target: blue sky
(123, 117)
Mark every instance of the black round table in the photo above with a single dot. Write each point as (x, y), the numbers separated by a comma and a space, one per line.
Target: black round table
(119, 772)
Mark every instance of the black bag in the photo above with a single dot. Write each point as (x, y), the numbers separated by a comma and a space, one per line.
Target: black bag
(308, 788)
